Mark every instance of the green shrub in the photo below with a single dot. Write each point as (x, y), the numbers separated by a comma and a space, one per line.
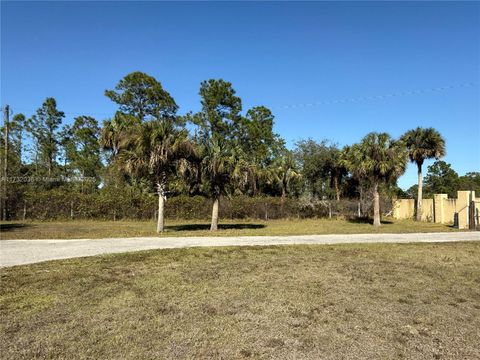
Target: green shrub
(128, 203)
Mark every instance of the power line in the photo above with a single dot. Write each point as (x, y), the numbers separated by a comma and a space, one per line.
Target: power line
(315, 103)
(375, 97)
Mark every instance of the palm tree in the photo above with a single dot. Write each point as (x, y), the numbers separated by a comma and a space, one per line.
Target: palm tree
(220, 167)
(113, 132)
(423, 144)
(154, 148)
(336, 169)
(282, 172)
(379, 159)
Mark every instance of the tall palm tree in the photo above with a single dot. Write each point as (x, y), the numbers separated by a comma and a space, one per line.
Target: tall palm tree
(423, 144)
(379, 159)
(154, 148)
(220, 167)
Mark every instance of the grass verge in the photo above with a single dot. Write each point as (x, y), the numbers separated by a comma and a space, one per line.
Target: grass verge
(377, 301)
(104, 229)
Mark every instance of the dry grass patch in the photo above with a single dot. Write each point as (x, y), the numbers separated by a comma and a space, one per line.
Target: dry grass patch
(346, 301)
(104, 229)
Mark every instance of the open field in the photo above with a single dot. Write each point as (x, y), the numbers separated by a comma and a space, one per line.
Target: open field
(372, 301)
(106, 229)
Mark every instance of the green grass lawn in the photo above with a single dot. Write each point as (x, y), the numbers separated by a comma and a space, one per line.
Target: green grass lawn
(377, 301)
(102, 229)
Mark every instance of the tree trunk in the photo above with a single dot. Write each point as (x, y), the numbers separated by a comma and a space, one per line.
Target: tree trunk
(5, 164)
(254, 183)
(282, 202)
(36, 160)
(376, 206)
(214, 225)
(161, 207)
(337, 187)
(362, 205)
(419, 194)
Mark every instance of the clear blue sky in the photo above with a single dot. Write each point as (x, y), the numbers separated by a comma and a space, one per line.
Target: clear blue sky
(275, 54)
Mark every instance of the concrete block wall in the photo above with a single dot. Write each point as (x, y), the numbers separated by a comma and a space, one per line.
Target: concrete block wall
(449, 206)
(440, 209)
(405, 209)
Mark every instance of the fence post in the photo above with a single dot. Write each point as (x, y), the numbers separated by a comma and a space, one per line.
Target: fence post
(24, 210)
(471, 215)
(71, 210)
(359, 211)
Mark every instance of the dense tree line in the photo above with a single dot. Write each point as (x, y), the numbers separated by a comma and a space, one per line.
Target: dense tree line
(442, 179)
(217, 152)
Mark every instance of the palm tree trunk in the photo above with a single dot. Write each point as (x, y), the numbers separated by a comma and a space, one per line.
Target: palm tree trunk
(376, 205)
(5, 167)
(337, 187)
(214, 225)
(419, 194)
(161, 207)
(254, 185)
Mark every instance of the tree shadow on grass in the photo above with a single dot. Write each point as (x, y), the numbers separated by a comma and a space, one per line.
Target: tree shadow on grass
(198, 227)
(12, 226)
(364, 220)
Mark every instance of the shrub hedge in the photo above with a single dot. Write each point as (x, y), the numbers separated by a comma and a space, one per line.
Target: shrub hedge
(116, 204)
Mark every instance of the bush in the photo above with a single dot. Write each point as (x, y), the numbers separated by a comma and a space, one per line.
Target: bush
(128, 203)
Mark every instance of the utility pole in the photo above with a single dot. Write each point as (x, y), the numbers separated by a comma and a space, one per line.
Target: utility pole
(6, 114)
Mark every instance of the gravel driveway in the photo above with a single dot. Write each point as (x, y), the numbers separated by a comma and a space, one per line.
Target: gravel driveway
(19, 252)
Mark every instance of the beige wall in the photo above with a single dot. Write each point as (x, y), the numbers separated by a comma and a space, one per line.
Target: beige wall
(449, 209)
(405, 209)
(440, 209)
(427, 210)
